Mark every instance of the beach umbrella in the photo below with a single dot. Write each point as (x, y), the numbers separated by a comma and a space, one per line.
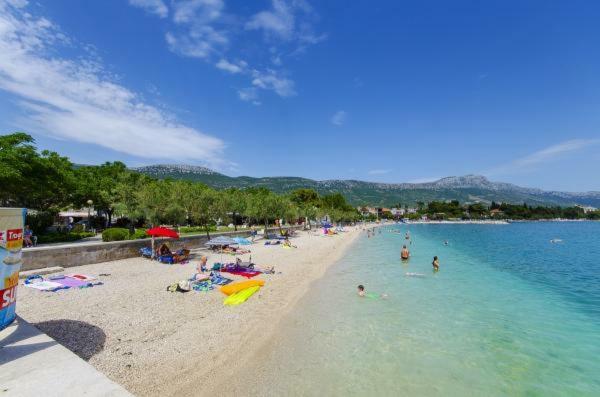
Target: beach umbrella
(160, 231)
(241, 241)
(221, 241)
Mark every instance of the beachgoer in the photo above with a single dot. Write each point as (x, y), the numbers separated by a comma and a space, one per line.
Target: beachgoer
(287, 243)
(404, 254)
(163, 250)
(201, 268)
(28, 236)
(435, 264)
(361, 290)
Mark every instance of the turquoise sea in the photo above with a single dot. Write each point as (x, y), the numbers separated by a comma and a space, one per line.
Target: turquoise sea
(509, 313)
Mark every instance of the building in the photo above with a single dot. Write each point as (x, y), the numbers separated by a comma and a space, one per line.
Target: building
(496, 212)
(398, 212)
(586, 209)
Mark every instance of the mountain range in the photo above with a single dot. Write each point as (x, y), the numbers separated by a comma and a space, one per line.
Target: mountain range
(468, 188)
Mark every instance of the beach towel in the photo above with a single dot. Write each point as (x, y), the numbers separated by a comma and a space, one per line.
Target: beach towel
(203, 286)
(243, 273)
(217, 279)
(168, 259)
(45, 285)
(71, 282)
(82, 277)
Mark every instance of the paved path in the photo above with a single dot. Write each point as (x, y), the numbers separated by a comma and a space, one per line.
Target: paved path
(33, 364)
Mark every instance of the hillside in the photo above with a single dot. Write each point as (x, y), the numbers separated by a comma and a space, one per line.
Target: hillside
(469, 188)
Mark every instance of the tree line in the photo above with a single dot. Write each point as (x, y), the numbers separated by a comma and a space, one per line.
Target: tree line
(454, 209)
(48, 182)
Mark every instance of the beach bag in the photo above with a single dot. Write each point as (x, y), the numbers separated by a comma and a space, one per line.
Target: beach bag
(181, 286)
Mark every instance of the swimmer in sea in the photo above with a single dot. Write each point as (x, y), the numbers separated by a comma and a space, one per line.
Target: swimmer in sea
(404, 254)
(435, 264)
(361, 291)
(445, 242)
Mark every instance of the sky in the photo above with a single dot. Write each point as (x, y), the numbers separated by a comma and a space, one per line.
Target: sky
(388, 91)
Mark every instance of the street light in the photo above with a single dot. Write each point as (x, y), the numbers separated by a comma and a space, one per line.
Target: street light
(89, 203)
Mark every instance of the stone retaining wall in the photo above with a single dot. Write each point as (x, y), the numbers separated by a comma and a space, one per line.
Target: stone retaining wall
(77, 254)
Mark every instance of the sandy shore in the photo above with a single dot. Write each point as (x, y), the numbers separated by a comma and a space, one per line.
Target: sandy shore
(158, 343)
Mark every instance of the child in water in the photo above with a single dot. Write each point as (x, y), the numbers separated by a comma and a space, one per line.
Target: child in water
(361, 290)
(436, 264)
(362, 293)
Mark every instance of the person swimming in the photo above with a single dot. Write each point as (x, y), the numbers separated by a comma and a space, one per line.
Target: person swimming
(404, 254)
(445, 242)
(361, 291)
(435, 264)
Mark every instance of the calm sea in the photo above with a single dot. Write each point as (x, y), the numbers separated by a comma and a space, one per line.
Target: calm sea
(509, 313)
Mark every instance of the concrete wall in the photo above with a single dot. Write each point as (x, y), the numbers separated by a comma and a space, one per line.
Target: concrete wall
(77, 254)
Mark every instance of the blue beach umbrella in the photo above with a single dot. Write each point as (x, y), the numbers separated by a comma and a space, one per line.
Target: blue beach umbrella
(221, 241)
(241, 241)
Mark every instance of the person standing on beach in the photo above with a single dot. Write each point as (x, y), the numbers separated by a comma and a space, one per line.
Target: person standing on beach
(435, 264)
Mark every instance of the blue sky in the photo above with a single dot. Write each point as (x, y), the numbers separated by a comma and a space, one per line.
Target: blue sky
(387, 91)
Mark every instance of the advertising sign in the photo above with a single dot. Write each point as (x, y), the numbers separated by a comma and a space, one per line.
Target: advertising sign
(11, 242)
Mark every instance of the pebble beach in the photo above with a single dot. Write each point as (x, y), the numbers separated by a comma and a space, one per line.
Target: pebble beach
(155, 342)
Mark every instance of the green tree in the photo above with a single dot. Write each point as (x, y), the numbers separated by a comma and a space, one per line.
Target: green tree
(30, 179)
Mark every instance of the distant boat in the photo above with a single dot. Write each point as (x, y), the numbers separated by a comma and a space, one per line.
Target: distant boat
(556, 240)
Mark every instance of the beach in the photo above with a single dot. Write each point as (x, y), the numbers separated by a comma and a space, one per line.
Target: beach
(155, 342)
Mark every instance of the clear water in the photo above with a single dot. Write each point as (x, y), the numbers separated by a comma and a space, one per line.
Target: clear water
(509, 313)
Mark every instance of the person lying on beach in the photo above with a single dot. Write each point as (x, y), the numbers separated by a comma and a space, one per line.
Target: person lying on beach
(404, 254)
(201, 268)
(435, 264)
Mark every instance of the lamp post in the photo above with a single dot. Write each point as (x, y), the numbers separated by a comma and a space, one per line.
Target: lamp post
(89, 203)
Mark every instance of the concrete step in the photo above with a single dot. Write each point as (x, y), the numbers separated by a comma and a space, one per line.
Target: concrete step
(41, 272)
(34, 364)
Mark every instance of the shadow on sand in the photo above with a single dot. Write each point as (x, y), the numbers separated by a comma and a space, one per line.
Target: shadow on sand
(81, 338)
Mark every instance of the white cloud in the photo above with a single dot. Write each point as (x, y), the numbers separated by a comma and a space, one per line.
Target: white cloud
(270, 80)
(234, 68)
(194, 34)
(76, 99)
(548, 154)
(339, 118)
(280, 20)
(198, 42)
(379, 172)
(197, 11)
(249, 94)
(202, 29)
(156, 7)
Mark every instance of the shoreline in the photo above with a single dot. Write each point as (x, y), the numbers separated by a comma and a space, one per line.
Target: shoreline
(260, 337)
(154, 342)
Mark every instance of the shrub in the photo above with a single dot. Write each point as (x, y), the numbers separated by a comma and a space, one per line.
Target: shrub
(62, 237)
(194, 229)
(115, 234)
(138, 234)
(79, 228)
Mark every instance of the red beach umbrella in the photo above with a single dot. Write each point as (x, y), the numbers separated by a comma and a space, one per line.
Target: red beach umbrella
(162, 232)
